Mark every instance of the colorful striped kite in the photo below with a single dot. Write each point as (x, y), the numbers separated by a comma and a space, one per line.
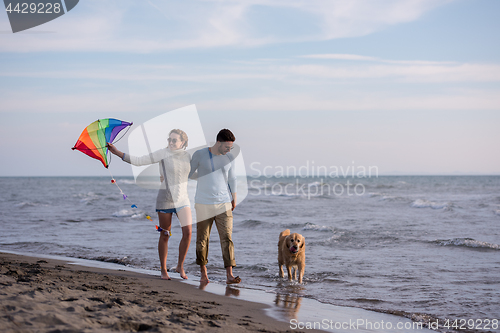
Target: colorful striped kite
(93, 142)
(95, 137)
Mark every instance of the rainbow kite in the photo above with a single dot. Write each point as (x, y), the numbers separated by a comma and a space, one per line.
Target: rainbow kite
(95, 137)
(93, 142)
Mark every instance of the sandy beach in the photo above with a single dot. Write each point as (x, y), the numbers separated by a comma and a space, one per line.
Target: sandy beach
(45, 295)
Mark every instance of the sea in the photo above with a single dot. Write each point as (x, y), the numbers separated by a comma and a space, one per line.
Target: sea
(414, 246)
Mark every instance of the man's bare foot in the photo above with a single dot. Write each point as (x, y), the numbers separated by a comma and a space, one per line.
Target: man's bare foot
(181, 272)
(204, 275)
(233, 280)
(164, 275)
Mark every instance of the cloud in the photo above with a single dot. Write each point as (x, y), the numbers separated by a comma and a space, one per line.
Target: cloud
(361, 100)
(411, 72)
(355, 57)
(310, 82)
(144, 72)
(157, 25)
(322, 68)
(340, 57)
(89, 101)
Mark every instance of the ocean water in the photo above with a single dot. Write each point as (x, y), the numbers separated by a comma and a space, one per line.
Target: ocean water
(416, 246)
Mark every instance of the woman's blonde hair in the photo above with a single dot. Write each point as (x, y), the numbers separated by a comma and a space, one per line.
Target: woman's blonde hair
(183, 136)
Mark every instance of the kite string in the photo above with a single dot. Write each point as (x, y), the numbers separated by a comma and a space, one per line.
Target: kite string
(125, 197)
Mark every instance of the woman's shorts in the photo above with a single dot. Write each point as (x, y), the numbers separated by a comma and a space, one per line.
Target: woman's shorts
(170, 210)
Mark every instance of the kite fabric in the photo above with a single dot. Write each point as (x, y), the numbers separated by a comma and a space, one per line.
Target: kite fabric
(96, 136)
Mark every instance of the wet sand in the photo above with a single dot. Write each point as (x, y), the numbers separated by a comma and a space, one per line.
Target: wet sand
(46, 295)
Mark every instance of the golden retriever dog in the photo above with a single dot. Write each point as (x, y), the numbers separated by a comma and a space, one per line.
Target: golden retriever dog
(292, 254)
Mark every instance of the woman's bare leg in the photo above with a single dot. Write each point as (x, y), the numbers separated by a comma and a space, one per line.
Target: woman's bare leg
(186, 221)
(165, 223)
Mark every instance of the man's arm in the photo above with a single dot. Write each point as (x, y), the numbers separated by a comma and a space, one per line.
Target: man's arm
(233, 203)
(195, 162)
(232, 181)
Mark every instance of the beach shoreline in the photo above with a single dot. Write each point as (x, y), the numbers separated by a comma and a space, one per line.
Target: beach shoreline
(45, 295)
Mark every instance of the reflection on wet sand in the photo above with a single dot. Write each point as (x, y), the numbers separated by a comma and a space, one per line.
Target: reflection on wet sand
(229, 290)
(232, 291)
(289, 303)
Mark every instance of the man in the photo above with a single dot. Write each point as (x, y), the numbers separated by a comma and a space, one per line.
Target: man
(214, 201)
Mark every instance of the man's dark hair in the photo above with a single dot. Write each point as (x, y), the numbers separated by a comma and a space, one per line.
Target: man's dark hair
(225, 135)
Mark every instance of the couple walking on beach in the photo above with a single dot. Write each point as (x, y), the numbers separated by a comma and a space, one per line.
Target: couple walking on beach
(213, 168)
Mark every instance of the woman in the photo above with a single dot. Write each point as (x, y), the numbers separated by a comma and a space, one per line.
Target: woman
(172, 197)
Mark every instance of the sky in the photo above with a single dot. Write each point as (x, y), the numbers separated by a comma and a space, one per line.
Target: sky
(410, 87)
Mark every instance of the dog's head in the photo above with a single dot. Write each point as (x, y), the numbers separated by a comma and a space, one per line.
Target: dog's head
(295, 242)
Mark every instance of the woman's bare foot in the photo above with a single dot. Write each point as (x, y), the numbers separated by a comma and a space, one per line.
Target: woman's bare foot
(180, 270)
(164, 275)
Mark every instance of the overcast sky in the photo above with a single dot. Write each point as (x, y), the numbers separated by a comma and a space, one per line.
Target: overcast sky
(408, 86)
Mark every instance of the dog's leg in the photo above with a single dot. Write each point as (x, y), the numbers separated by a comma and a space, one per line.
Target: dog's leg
(301, 269)
(295, 273)
(281, 270)
(289, 271)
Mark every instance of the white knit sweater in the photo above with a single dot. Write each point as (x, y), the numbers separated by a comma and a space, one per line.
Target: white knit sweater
(174, 167)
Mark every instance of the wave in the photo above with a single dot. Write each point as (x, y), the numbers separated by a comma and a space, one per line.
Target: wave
(77, 220)
(99, 219)
(497, 212)
(385, 197)
(255, 268)
(128, 213)
(422, 203)
(35, 247)
(26, 204)
(424, 318)
(323, 196)
(251, 223)
(392, 198)
(467, 242)
(258, 186)
(383, 186)
(317, 184)
(367, 300)
(315, 227)
(121, 261)
(88, 197)
(287, 195)
(125, 181)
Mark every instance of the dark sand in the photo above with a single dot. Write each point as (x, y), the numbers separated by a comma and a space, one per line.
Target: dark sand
(46, 295)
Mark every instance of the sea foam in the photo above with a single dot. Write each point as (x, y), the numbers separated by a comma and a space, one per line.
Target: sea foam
(467, 242)
(422, 203)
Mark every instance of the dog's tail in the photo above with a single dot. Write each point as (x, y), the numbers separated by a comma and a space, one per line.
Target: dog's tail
(285, 233)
